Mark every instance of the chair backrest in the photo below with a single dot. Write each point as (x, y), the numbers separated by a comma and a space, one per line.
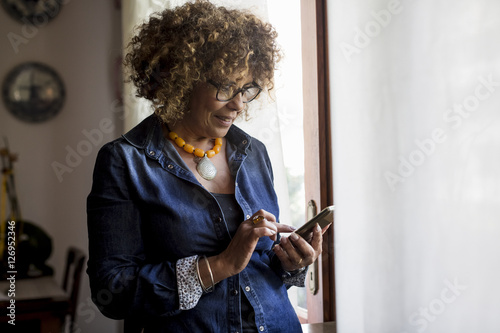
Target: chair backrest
(75, 260)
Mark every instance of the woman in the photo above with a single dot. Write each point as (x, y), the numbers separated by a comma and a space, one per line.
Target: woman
(182, 216)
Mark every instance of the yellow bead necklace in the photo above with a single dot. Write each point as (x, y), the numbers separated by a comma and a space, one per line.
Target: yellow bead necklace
(204, 166)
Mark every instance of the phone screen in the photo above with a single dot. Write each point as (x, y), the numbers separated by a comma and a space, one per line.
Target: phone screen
(324, 218)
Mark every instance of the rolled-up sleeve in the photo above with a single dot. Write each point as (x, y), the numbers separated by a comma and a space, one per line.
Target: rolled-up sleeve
(297, 279)
(290, 279)
(188, 284)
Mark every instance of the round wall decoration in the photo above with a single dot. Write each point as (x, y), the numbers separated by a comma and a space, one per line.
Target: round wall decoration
(36, 12)
(33, 92)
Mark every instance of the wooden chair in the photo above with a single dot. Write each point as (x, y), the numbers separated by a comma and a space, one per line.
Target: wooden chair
(75, 261)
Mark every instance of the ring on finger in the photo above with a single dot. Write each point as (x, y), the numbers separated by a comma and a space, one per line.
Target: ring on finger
(257, 219)
(298, 262)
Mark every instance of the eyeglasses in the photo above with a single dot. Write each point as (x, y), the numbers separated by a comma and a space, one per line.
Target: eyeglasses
(226, 93)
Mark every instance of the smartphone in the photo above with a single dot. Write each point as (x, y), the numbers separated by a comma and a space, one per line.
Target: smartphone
(324, 218)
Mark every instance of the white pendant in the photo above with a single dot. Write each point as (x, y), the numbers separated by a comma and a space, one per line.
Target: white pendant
(206, 168)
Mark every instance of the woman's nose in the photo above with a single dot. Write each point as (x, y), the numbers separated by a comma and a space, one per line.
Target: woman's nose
(237, 102)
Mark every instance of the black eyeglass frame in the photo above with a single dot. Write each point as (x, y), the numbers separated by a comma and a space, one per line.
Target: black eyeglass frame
(242, 89)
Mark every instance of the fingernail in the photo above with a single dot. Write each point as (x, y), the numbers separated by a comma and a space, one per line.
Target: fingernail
(318, 228)
(294, 236)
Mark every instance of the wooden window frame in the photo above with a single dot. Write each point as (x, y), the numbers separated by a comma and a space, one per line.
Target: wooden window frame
(317, 140)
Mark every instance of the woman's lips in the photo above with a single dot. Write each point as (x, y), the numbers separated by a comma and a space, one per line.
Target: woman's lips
(225, 121)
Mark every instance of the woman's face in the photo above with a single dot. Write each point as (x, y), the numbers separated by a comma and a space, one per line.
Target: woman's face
(210, 118)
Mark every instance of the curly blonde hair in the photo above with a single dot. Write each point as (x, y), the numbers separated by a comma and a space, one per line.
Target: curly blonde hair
(179, 48)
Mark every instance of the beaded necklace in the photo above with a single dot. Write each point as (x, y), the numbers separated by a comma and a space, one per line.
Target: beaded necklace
(204, 166)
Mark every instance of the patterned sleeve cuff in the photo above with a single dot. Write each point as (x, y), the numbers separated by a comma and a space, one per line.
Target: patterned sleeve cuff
(297, 279)
(188, 284)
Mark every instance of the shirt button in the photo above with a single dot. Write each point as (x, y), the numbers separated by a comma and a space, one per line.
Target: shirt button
(244, 142)
(261, 328)
(234, 292)
(247, 288)
(235, 184)
(170, 166)
(219, 219)
(248, 216)
(152, 153)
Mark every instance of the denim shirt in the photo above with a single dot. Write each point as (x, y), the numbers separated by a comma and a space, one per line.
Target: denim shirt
(146, 211)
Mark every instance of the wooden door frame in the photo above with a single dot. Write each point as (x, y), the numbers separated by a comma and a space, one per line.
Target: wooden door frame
(318, 147)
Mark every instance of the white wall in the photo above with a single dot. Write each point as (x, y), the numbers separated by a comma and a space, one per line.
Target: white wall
(416, 130)
(82, 44)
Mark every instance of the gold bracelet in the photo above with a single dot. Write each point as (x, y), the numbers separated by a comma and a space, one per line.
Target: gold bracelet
(199, 276)
(211, 288)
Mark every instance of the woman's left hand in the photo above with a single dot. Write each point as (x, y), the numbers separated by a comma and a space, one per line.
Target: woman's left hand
(295, 252)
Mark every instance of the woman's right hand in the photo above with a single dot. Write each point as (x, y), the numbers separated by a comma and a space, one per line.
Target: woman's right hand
(237, 255)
